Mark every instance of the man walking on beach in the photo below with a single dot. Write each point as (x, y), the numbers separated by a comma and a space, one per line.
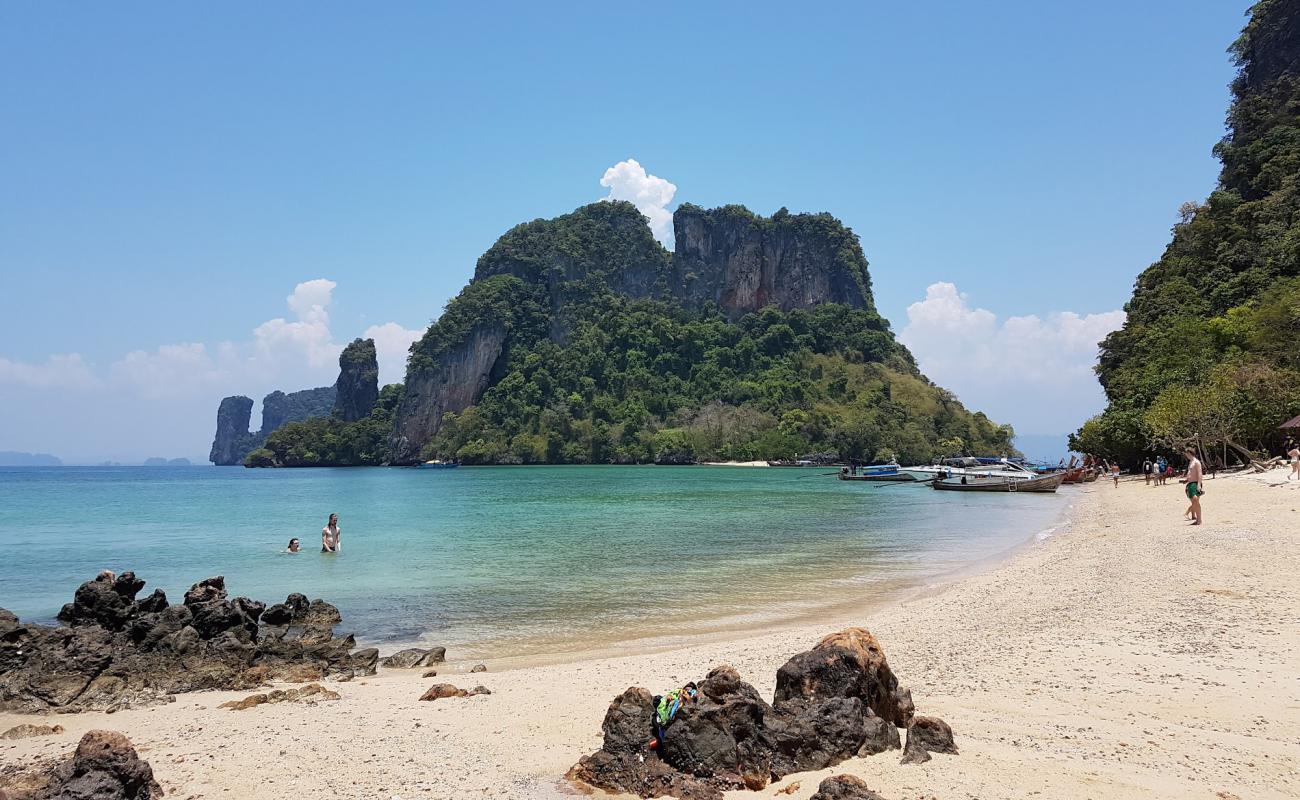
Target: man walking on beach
(1194, 478)
(1146, 471)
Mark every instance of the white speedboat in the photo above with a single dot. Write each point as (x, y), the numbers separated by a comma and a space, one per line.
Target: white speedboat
(969, 468)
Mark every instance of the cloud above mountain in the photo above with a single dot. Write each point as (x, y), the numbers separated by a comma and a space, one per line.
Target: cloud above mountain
(1034, 372)
(175, 387)
(628, 180)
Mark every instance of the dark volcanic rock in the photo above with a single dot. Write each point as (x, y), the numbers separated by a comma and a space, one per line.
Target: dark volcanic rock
(850, 663)
(930, 734)
(357, 387)
(116, 651)
(104, 767)
(727, 736)
(844, 787)
(415, 657)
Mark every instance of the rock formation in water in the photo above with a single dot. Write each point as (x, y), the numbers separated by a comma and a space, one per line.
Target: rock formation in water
(104, 767)
(234, 441)
(357, 388)
(115, 650)
(834, 702)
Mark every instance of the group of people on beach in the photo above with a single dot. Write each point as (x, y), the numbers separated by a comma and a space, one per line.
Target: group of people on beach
(330, 538)
(1158, 471)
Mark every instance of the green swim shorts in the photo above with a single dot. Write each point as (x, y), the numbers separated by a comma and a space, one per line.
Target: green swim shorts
(1193, 490)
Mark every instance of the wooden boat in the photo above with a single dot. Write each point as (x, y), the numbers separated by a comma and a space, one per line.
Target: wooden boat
(1073, 475)
(1090, 476)
(1044, 483)
(436, 464)
(791, 462)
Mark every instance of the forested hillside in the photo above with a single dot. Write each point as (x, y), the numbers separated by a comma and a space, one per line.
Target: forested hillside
(1210, 352)
(582, 340)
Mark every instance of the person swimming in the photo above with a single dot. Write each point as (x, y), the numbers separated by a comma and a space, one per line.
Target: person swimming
(294, 546)
(329, 536)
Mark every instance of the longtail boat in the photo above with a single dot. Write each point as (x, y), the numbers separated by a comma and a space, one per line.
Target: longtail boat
(1045, 483)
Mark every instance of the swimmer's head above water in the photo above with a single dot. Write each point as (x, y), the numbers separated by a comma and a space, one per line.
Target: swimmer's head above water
(294, 545)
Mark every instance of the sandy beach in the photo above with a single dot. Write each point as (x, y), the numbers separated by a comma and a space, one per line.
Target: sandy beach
(1127, 656)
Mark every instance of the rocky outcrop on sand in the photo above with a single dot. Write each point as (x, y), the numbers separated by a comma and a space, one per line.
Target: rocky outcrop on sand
(357, 387)
(311, 694)
(104, 767)
(834, 702)
(844, 787)
(413, 657)
(440, 691)
(26, 731)
(115, 650)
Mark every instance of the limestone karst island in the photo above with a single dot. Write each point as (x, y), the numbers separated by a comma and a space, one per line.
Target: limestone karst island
(529, 402)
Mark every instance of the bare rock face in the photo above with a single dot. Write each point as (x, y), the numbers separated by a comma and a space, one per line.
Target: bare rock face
(844, 787)
(357, 387)
(104, 767)
(115, 651)
(231, 442)
(452, 383)
(830, 705)
(311, 694)
(744, 262)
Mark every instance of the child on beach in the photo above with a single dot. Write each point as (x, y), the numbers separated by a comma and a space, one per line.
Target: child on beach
(329, 536)
(1294, 453)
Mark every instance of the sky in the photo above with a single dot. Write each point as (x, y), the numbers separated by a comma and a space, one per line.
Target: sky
(199, 200)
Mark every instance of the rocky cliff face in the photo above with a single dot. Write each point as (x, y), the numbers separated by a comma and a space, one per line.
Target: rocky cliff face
(454, 382)
(230, 444)
(357, 388)
(233, 439)
(744, 262)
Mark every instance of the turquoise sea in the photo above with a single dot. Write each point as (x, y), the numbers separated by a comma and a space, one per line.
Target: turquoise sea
(505, 561)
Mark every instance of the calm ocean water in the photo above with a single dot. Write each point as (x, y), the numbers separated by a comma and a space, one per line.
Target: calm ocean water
(503, 561)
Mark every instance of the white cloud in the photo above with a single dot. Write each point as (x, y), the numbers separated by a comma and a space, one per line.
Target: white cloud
(67, 371)
(392, 345)
(163, 401)
(628, 180)
(1034, 372)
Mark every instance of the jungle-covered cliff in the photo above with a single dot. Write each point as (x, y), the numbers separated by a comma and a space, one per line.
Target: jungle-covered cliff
(582, 340)
(1209, 353)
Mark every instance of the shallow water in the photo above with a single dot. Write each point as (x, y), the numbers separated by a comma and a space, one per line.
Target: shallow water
(504, 560)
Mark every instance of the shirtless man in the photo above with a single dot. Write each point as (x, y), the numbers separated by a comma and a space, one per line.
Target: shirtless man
(1195, 476)
(329, 536)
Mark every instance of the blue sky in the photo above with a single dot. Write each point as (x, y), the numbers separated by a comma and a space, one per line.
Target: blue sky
(170, 172)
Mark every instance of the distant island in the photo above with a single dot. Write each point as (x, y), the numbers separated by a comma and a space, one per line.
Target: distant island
(580, 339)
(13, 458)
(167, 462)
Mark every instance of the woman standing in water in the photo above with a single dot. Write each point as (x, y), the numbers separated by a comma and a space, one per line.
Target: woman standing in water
(329, 536)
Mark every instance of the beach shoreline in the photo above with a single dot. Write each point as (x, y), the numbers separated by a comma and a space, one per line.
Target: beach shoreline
(1127, 655)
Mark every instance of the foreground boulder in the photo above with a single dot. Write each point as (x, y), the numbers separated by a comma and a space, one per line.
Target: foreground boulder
(834, 702)
(844, 787)
(441, 691)
(104, 767)
(115, 650)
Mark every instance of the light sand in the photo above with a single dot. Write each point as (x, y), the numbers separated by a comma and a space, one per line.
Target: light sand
(1128, 656)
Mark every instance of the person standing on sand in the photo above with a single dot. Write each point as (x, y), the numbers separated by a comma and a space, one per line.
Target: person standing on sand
(1161, 466)
(329, 536)
(1195, 476)
(1294, 453)
(1146, 471)
(1114, 473)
